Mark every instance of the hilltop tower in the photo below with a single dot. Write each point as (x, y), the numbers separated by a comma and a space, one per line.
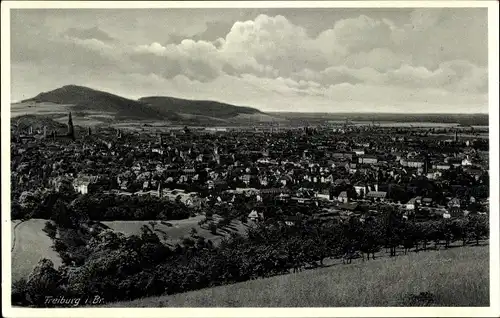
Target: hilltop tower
(89, 131)
(456, 135)
(44, 131)
(71, 129)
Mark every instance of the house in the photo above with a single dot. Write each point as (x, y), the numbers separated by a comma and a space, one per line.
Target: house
(412, 204)
(414, 163)
(246, 179)
(427, 201)
(442, 166)
(434, 175)
(360, 190)
(466, 162)
(454, 203)
(343, 197)
(253, 216)
(286, 180)
(418, 200)
(352, 168)
(377, 195)
(342, 155)
(189, 172)
(454, 207)
(368, 159)
(82, 183)
(324, 194)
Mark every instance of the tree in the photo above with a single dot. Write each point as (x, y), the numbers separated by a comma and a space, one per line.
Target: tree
(478, 227)
(213, 228)
(392, 223)
(61, 216)
(43, 281)
(50, 229)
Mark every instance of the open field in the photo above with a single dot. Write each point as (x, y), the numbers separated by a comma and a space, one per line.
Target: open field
(455, 277)
(172, 232)
(29, 244)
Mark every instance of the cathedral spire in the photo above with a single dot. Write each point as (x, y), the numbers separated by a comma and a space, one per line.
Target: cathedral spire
(71, 129)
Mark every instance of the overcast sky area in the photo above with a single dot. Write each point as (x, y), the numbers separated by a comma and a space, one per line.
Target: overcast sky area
(310, 60)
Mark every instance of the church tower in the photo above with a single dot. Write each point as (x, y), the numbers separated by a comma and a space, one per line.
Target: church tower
(71, 129)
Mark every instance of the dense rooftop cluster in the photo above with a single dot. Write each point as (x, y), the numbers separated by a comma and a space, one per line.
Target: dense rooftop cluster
(338, 167)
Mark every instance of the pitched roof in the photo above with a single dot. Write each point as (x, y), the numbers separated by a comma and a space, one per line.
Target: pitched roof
(377, 194)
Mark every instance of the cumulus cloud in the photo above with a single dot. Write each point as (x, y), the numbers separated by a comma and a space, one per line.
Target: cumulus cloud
(355, 50)
(354, 59)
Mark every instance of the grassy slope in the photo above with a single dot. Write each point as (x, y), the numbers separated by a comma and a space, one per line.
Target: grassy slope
(176, 231)
(30, 243)
(197, 107)
(457, 277)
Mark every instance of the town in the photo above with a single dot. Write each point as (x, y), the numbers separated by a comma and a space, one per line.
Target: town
(341, 170)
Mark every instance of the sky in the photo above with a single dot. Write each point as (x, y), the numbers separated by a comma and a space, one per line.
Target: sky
(414, 60)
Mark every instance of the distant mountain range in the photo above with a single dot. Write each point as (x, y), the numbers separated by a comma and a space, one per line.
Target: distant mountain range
(84, 101)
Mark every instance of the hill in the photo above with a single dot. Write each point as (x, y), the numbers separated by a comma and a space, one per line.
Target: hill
(86, 99)
(454, 277)
(197, 107)
(89, 104)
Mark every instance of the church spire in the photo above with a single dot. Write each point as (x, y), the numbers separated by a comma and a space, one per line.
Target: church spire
(71, 129)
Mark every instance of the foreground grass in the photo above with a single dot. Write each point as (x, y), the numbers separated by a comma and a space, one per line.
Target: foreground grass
(455, 277)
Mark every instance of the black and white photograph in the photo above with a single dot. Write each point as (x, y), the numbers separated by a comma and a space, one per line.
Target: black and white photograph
(295, 155)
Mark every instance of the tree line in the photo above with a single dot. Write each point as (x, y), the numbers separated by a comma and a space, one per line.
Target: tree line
(117, 267)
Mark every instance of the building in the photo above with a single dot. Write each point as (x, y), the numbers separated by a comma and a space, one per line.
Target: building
(442, 166)
(367, 159)
(82, 184)
(454, 207)
(70, 134)
(360, 190)
(343, 197)
(377, 195)
(412, 204)
(414, 163)
(427, 202)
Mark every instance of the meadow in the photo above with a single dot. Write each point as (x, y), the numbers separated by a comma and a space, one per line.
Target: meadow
(172, 232)
(454, 277)
(30, 244)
